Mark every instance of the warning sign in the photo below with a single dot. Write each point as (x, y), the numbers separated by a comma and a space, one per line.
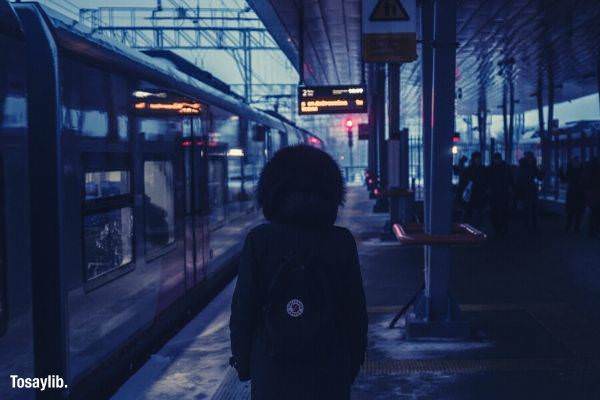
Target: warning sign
(389, 10)
(389, 31)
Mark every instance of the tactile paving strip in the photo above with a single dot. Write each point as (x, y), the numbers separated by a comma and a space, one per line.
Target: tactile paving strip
(231, 388)
(393, 367)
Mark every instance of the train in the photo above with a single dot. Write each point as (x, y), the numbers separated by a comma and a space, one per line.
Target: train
(126, 189)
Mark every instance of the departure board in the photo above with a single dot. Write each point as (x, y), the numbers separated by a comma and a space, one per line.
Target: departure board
(315, 100)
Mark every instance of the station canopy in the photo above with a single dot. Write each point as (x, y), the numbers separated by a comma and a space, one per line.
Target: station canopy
(555, 42)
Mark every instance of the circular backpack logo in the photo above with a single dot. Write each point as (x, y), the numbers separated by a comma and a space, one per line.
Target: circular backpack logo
(295, 308)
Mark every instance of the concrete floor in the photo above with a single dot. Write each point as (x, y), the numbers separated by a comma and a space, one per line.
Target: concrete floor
(532, 300)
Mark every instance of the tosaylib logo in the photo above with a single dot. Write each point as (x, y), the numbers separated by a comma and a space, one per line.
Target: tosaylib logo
(41, 384)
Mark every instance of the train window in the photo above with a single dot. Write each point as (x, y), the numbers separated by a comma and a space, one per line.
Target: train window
(101, 184)
(159, 205)
(15, 111)
(217, 177)
(108, 215)
(255, 157)
(160, 128)
(225, 127)
(108, 241)
(85, 94)
(95, 103)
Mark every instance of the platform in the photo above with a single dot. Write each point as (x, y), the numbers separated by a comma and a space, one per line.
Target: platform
(529, 299)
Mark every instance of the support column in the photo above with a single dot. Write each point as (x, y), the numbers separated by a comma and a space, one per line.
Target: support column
(551, 147)
(541, 124)
(382, 204)
(394, 99)
(541, 127)
(427, 13)
(372, 145)
(482, 124)
(511, 121)
(434, 314)
(400, 202)
(505, 117)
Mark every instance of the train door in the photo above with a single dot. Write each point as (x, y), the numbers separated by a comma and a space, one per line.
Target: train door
(201, 208)
(217, 184)
(196, 207)
(191, 185)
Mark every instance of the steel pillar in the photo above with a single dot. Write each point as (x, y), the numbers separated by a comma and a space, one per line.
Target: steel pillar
(372, 144)
(511, 121)
(400, 204)
(598, 79)
(394, 99)
(427, 13)
(549, 129)
(542, 130)
(434, 315)
(505, 117)
(382, 204)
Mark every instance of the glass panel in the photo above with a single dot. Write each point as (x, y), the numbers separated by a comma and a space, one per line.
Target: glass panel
(106, 184)
(160, 128)
(85, 98)
(225, 127)
(216, 189)
(15, 112)
(159, 204)
(108, 240)
(255, 159)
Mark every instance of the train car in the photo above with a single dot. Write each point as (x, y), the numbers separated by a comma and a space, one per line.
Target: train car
(127, 189)
(16, 322)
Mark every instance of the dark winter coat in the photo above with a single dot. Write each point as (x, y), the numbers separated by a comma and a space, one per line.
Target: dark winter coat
(526, 185)
(500, 183)
(476, 175)
(575, 179)
(300, 190)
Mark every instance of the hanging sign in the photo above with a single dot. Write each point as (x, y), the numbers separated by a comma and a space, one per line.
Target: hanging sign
(389, 31)
(313, 100)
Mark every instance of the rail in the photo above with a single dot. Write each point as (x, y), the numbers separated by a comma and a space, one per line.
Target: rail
(461, 235)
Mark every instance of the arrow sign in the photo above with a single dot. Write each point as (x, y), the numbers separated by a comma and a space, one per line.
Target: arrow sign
(389, 10)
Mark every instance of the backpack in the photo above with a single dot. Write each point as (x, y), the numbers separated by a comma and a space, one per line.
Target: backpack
(298, 311)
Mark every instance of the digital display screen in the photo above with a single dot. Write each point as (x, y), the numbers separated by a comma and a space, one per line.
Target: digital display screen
(314, 100)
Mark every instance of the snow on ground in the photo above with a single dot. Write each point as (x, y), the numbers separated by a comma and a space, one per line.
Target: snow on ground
(391, 344)
(192, 364)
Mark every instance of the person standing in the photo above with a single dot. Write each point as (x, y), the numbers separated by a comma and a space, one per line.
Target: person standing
(593, 189)
(528, 173)
(500, 183)
(575, 202)
(472, 189)
(298, 316)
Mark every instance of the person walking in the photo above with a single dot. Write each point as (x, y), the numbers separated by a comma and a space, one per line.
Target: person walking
(575, 202)
(500, 183)
(298, 316)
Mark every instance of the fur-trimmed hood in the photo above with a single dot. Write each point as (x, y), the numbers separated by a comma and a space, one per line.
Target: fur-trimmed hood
(301, 185)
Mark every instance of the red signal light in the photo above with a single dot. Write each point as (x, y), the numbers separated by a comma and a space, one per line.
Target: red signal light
(349, 123)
